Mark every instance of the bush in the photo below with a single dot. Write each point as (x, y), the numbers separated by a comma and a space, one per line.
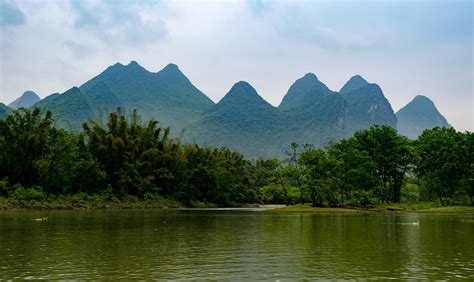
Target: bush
(274, 194)
(363, 198)
(21, 194)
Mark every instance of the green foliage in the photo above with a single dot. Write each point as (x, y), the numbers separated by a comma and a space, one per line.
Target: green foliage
(445, 163)
(129, 163)
(33, 152)
(389, 158)
(378, 166)
(274, 194)
(19, 193)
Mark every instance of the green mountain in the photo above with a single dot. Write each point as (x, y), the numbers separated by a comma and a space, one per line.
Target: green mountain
(27, 99)
(310, 112)
(418, 115)
(313, 113)
(242, 121)
(70, 109)
(4, 111)
(316, 115)
(303, 92)
(354, 83)
(167, 95)
(367, 105)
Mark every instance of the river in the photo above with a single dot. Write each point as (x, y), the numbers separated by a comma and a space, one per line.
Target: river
(243, 244)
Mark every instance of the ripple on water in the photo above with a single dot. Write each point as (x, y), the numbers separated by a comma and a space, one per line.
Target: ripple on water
(235, 245)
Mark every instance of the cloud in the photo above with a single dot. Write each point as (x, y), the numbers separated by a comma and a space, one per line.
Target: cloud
(258, 7)
(408, 48)
(120, 22)
(10, 15)
(317, 24)
(79, 50)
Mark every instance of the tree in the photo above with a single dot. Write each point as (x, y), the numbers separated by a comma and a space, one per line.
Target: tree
(132, 155)
(444, 162)
(390, 158)
(316, 171)
(33, 152)
(293, 170)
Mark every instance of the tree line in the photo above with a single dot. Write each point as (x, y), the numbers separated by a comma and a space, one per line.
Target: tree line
(126, 157)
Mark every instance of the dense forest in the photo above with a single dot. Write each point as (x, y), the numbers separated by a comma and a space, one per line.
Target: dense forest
(126, 159)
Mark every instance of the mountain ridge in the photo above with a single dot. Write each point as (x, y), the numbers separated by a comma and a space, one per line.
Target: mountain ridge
(242, 120)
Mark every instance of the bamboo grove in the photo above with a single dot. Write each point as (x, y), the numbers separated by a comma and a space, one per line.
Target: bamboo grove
(126, 158)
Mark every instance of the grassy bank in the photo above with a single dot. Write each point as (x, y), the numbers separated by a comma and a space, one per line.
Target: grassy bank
(83, 201)
(428, 207)
(309, 208)
(421, 207)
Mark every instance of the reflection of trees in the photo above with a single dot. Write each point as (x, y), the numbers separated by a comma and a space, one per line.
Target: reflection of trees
(170, 244)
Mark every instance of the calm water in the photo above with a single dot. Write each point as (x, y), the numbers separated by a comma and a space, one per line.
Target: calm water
(234, 245)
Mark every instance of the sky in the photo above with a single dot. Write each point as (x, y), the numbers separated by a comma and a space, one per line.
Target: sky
(409, 48)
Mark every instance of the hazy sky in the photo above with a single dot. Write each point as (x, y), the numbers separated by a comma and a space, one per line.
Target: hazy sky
(407, 47)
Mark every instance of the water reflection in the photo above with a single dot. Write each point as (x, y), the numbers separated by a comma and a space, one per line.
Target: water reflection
(236, 245)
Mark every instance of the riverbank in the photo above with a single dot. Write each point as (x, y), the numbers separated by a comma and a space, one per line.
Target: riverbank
(84, 201)
(87, 202)
(92, 202)
(387, 208)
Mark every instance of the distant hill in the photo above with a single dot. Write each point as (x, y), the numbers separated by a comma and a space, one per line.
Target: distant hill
(303, 92)
(242, 121)
(4, 111)
(353, 83)
(69, 109)
(367, 106)
(418, 115)
(313, 112)
(167, 96)
(310, 112)
(27, 99)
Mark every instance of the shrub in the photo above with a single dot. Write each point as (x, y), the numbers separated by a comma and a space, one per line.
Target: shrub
(28, 194)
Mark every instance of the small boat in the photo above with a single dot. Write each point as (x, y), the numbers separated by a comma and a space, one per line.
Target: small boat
(41, 219)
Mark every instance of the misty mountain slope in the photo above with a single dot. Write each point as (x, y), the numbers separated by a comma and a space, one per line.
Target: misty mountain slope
(167, 95)
(313, 113)
(26, 100)
(101, 100)
(70, 109)
(310, 112)
(353, 83)
(303, 92)
(4, 111)
(368, 106)
(418, 115)
(242, 121)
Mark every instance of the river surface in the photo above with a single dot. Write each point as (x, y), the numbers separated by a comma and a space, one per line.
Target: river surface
(235, 245)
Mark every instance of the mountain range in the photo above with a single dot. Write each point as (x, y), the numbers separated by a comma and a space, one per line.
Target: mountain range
(242, 120)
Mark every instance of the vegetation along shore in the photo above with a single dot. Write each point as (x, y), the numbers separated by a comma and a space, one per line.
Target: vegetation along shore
(127, 163)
